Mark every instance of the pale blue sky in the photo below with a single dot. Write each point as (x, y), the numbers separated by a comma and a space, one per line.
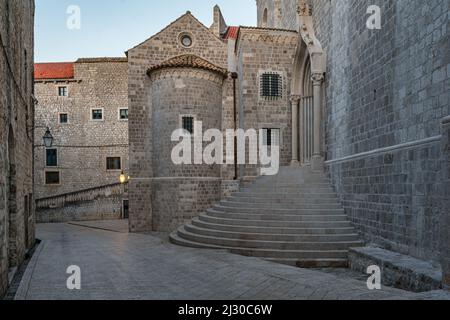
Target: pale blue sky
(110, 27)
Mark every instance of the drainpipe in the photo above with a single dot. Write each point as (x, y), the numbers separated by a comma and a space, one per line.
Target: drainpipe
(234, 76)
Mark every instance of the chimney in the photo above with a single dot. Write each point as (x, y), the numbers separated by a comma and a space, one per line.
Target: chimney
(219, 27)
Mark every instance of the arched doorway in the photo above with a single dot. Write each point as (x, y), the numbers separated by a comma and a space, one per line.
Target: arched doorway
(306, 96)
(12, 201)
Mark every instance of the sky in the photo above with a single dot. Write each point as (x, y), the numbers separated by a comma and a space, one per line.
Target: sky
(108, 28)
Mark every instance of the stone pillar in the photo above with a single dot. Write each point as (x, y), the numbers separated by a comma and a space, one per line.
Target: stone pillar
(445, 213)
(295, 100)
(317, 160)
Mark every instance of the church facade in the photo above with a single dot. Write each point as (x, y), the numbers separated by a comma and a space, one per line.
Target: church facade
(367, 106)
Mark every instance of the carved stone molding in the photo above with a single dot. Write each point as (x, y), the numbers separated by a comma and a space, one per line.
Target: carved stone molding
(317, 79)
(295, 98)
(304, 8)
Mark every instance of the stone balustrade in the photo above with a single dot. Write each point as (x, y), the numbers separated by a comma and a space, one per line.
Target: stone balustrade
(103, 202)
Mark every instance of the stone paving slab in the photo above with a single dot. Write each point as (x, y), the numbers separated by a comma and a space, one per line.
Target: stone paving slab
(126, 266)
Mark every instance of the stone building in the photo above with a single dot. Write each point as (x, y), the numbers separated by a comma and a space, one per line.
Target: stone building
(85, 106)
(364, 106)
(16, 135)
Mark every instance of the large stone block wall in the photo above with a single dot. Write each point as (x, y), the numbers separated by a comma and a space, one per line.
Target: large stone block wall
(261, 51)
(177, 93)
(386, 88)
(16, 143)
(83, 145)
(176, 201)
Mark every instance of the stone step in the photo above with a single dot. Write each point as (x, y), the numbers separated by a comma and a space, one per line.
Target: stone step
(294, 184)
(275, 212)
(275, 223)
(270, 237)
(277, 217)
(264, 253)
(281, 205)
(272, 230)
(253, 200)
(284, 196)
(274, 245)
(290, 191)
(312, 263)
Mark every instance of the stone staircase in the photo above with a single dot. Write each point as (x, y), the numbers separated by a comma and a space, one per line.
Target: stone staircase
(293, 218)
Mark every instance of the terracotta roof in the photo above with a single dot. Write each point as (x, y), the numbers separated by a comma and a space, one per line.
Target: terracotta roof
(63, 70)
(188, 61)
(232, 33)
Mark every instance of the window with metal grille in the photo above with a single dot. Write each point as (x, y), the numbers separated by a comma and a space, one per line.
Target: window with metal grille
(51, 158)
(188, 124)
(271, 86)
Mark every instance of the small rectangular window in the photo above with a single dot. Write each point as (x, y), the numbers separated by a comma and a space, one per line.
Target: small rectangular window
(63, 118)
(51, 157)
(188, 124)
(123, 114)
(62, 91)
(271, 86)
(97, 114)
(271, 137)
(52, 177)
(113, 163)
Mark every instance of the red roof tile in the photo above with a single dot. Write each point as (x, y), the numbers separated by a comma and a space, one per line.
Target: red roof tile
(232, 33)
(62, 70)
(190, 61)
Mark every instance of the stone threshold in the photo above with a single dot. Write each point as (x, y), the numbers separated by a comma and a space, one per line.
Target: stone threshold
(397, 270)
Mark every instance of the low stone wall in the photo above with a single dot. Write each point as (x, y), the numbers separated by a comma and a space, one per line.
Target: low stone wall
(397, 270)
(393, 196)
(176, 201)
(102, 203)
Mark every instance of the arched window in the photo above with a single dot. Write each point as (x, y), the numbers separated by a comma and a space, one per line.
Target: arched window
(264, 18)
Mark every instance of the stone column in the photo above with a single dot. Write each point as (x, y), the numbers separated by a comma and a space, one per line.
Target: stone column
(317, 160)
(295, 100)
(445, 214)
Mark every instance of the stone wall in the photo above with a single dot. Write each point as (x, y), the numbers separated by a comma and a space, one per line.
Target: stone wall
(82, 144)
(259, 51)
(155, 50)
(16, 134)
(386, 92)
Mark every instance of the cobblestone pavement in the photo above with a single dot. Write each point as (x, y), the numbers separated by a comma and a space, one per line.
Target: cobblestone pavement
(118, 265)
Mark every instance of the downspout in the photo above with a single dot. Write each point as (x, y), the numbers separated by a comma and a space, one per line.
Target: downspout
(234, 76)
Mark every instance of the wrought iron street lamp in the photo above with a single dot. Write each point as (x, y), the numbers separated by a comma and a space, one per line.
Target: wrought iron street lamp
(48, 138)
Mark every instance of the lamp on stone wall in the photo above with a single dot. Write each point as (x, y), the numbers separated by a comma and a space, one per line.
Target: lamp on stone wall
(48, 138)
(122, 177)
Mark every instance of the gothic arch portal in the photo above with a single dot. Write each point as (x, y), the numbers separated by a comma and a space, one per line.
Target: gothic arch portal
(309, 68)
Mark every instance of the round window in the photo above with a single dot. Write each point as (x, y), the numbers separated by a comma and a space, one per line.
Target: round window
(186, 40)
